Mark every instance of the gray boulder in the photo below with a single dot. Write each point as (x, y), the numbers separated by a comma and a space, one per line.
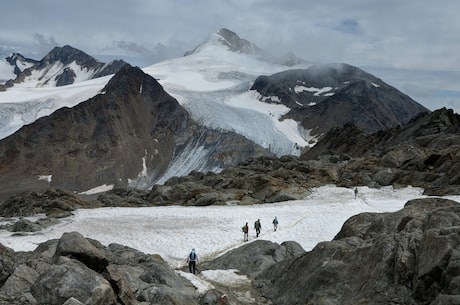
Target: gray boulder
(24, 225)
(74, 270)
(7, 263)
(72, 279)
(20, 281)
(407, 257)
(255, 257)
(74, 245)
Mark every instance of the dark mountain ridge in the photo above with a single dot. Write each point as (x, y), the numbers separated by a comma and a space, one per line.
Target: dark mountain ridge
(17, 60)
(132, 131)
(325, 96)
(423, 153)
(56, 67)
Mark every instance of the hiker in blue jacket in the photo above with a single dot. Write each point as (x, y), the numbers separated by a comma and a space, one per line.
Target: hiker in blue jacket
(192, 259)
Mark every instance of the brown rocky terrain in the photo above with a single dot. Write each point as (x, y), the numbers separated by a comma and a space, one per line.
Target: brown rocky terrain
(422, 153)
(129, 133)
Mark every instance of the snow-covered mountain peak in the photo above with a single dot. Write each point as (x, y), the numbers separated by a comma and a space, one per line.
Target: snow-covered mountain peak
(236, 44)
(61, 66)
(12, 65)
(229, 41)
(213, 84)
(67, 55)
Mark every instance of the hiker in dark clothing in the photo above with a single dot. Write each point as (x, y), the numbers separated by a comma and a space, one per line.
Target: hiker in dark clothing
(356, 192)
(275, 223)
(246, 231)
(192, 259)
(257, 226)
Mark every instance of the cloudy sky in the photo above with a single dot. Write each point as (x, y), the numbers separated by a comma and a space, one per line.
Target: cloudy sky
(417, 36)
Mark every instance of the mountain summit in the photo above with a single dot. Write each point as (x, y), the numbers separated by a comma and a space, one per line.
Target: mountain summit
(324, 96)
(64, 66)
(231, 41)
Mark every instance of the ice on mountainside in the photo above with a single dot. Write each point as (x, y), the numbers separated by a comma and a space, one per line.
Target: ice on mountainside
(212, 82)
(20, 105)
(6, 71)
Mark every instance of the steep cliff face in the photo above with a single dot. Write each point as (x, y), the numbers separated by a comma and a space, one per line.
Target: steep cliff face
(127, 135)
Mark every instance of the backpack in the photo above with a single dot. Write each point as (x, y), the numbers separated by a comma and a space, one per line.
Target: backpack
(192, 256)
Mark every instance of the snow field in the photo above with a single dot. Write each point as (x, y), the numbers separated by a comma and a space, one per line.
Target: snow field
(172, 231)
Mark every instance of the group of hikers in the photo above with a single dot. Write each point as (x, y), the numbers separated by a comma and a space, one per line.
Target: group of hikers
(257, 227)
(192, 258)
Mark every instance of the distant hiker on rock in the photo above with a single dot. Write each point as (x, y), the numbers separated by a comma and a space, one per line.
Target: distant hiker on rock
(275, 224)
(192, 259)
(356, 192)
(257, 226)
(246, 231)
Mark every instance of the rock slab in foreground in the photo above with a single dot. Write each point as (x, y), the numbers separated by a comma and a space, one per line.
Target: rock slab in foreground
(408, 257)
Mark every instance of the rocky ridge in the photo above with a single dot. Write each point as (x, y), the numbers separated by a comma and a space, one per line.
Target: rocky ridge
(61, 66)
(324, 96)
(423, 153)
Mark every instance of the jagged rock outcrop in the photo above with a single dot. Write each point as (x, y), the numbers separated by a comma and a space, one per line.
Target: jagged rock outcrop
(266, 179)
(330, 95)
(407, 257)
(50, 201)
(76, 270)
(256, 257)
(424, 152)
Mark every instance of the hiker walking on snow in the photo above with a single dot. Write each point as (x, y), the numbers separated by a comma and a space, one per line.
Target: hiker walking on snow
(257, 226)
(356, 192)
(275, 224)
(246, 231)
(192, 259)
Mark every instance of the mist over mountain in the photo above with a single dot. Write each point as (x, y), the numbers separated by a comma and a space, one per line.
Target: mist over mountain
(234, 43)
(329, 95)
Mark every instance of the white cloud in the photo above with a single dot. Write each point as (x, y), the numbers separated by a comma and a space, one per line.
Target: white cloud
(418, 35)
